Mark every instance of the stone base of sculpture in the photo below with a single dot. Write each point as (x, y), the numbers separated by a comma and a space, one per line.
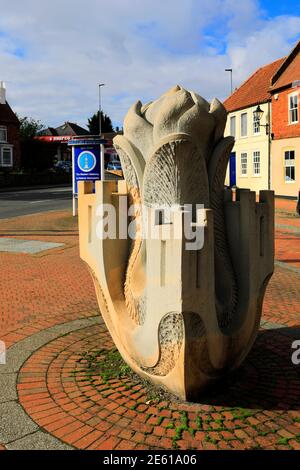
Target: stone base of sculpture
(185, 349)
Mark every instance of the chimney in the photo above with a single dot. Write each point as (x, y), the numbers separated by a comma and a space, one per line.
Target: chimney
(2, 93)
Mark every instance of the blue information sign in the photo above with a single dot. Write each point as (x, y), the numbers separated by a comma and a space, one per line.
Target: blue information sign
(87, 164)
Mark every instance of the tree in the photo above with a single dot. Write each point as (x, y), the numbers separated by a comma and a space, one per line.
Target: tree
(35, 155)
(93, 123)
(29, 128)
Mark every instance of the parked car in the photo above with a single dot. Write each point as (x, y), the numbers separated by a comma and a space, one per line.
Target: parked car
(114, 165)
(62, 165)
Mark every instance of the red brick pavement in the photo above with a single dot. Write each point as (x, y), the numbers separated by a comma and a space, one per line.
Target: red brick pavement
(258, 407)
(287, 242)
(44, 289)
(286, 205)
(282, 299)
(288, 247)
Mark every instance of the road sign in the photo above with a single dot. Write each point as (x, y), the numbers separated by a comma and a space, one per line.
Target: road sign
(87, 164)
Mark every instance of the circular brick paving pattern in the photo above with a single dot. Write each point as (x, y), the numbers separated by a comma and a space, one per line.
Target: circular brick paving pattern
(257, 407)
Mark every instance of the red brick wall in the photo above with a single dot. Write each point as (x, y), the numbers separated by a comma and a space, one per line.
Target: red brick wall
(13, 137)
(280, 117)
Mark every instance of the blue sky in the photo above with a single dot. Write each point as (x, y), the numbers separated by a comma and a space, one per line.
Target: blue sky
(281, 7)
(54, 54)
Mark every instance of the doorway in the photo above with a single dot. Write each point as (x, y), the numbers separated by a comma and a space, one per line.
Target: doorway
(232, 169)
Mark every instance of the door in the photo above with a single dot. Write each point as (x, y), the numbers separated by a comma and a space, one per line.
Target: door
(232, 169)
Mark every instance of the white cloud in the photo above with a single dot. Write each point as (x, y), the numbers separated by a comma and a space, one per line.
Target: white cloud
(54, 54)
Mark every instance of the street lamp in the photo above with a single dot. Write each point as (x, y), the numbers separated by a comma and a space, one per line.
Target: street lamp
(100, 85)
(257, 114)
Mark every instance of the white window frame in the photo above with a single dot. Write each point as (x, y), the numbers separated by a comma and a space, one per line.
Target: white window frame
(241, 127)
(4, 128)
(243, 165)
(10, 148)
(290, 110)
(232, 119)
(287, 164)
(255, 125)
(256, 175)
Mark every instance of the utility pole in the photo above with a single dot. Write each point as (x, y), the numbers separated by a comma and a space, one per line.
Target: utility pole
(100, 130)
(231, 88)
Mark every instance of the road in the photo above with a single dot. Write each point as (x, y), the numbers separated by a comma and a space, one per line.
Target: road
(31, 201)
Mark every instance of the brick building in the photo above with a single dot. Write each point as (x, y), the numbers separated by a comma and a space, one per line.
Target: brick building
(285, 89)
(250, 161)
(10, 154)
(58, 139)
(266, 154)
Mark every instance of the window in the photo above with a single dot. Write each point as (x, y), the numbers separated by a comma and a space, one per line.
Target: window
(289, 166)
(243, 164)
(256, 127)
(232, 126)
(293, 108)
(6, 156)
(256, 163)
(3, 134)
(244, 125)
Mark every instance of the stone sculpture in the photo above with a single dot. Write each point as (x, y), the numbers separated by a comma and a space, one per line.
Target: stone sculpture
(180, 317)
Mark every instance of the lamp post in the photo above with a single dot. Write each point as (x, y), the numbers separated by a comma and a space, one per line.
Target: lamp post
(230, 70)
(100, 85)
(257, 114)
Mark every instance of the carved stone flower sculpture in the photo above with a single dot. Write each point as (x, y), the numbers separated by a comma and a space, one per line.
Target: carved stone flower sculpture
(181, 318)
(178, 141)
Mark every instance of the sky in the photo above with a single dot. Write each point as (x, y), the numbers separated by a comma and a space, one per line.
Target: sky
(53, 54)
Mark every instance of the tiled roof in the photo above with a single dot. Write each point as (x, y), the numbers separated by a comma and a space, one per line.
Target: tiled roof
(70, 128)
(47, 131)
(289, 71)
(78, 129)
(255, 89)
(7, 116)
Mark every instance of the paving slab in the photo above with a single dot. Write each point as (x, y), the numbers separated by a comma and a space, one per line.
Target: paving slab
(288, 228)
(287, 266)
(39, 440)
(26, 246)
(14, 422)
(7, 387)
